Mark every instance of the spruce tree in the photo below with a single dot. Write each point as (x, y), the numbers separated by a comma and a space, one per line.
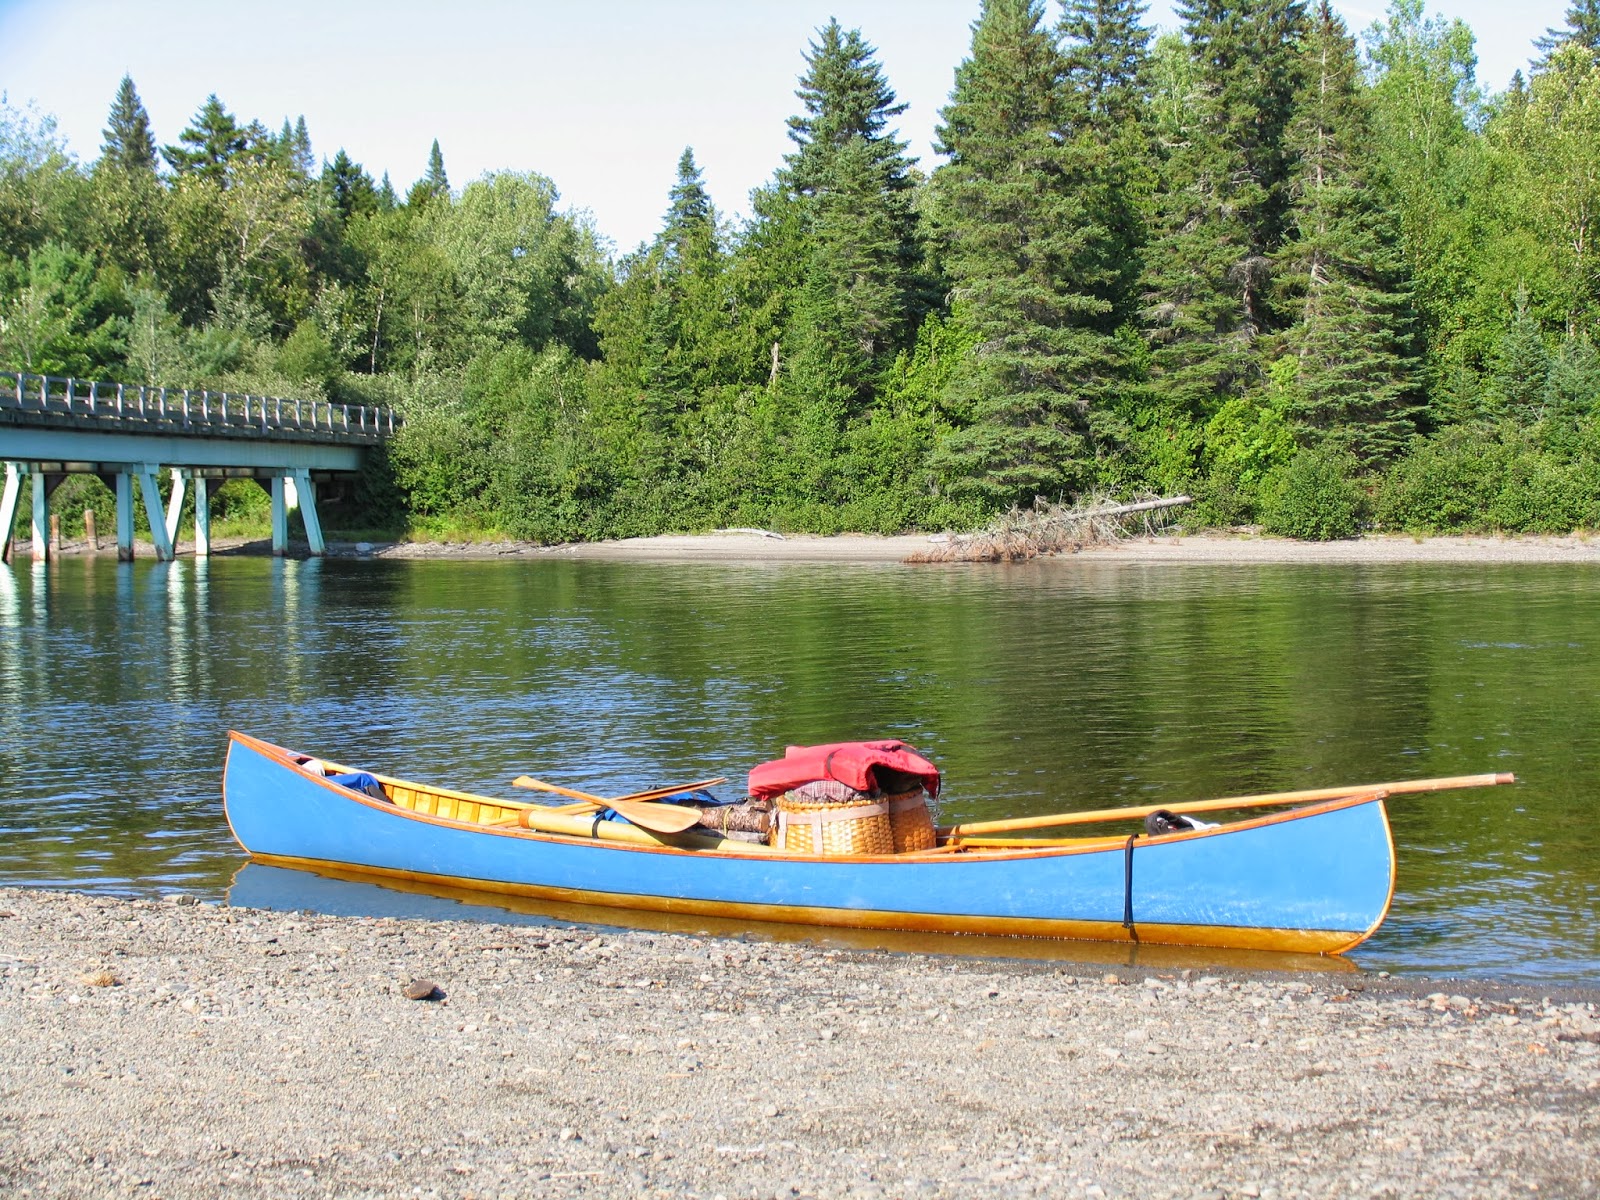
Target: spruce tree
(1026, 257)
(1522, 366)
(1341, 274)
(434, 184)
(348, 187)
(1106, 61)
(862, 289)
(129, 144)
(209, 145)
(1105, 56)
(689, 207)
(1223, 206)
(1583, 29)
(436, 181)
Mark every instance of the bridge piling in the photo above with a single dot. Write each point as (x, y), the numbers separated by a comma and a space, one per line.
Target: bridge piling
(152, 511)
(175, 503)
(8, 509)
(124, 517)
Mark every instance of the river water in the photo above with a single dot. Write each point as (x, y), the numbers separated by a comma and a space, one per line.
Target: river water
(1037, 688)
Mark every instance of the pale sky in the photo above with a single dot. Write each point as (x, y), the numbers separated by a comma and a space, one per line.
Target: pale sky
(601, 97)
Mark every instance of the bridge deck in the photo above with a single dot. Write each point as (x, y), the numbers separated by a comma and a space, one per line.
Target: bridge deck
(51, 427)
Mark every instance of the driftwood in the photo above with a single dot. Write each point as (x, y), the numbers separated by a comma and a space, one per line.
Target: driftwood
(1046, 528)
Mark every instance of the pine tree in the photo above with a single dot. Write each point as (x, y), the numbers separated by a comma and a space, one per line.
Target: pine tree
(1223, 206)
(1026, 257)
(1106, 61)
(129, 144)
(862, 289)
(388, 200)
(1341, 274)
(1522, 366)
(1105, 55)
(349, 187)
(1583, 29)
(689, 207)
(301, 159)
(209, 145)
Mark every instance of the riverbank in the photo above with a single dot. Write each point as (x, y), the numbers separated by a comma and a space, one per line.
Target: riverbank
(161, 1049)
(756, 546)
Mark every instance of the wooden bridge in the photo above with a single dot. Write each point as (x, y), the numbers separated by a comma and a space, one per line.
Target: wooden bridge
(52, 427)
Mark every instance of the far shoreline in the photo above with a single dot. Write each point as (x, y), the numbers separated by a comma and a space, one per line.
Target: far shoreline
(759, 547)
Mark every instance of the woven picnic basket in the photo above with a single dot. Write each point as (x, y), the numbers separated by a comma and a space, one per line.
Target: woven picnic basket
(910, 822)
(829, 818)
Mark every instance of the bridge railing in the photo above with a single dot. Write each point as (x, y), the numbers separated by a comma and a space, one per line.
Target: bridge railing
(189, 410)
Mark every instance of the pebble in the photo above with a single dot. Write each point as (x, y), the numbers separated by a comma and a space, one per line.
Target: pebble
(420, 989)
(697, 1066)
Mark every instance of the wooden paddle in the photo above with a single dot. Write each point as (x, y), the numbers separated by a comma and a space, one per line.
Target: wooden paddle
(662, 818)
(1228, 802)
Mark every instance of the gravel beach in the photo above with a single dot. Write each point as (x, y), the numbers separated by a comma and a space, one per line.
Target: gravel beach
(163, 1049)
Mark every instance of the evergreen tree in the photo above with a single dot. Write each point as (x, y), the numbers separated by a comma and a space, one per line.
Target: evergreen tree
(1583, 29)
(845, 96)
(209, 145)
(388, 200)
(1105, 56)
(291, 148)
(129, 144)
(1523, 363)
(438, 183)
(689, 207)
(1341, 273)
(1223, 205)
(862, 289)
(349, 187)
(1026, 257)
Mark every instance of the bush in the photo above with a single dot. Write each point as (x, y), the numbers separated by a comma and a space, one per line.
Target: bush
(1446, 483)
(1315, 497)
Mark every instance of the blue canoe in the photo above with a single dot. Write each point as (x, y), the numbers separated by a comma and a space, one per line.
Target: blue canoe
(1316, 879)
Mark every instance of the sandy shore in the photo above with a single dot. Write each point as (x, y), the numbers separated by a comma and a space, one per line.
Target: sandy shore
(164, 1050)
(861, 548)
(742, 546)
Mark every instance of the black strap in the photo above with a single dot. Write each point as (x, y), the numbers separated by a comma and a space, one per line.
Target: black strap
(1127, 883)
(594, 827)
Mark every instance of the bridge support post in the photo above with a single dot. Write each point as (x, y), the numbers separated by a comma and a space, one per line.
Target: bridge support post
(8, 509)
(175, 504)
(125, 515)
(307, 494)
(153, 513)
(41, 516)
(203, 491)
(280, 518)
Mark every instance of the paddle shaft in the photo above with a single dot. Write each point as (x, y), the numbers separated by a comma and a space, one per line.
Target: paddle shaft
(1309, 795)
(663, 818)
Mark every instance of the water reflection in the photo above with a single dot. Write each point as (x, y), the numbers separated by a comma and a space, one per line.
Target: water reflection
(350, 894)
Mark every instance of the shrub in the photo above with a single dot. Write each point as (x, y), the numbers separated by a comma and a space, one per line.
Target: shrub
(1316, 497)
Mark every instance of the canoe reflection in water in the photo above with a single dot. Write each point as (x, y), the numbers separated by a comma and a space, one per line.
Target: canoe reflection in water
(351, 894)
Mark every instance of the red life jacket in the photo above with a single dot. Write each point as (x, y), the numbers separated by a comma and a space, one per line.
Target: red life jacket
(849, 763)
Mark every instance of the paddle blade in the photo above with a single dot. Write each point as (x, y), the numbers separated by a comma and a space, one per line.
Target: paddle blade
(662, 818)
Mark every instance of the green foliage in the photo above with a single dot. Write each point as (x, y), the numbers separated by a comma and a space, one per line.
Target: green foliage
(1315, 497)
(1237, 263)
